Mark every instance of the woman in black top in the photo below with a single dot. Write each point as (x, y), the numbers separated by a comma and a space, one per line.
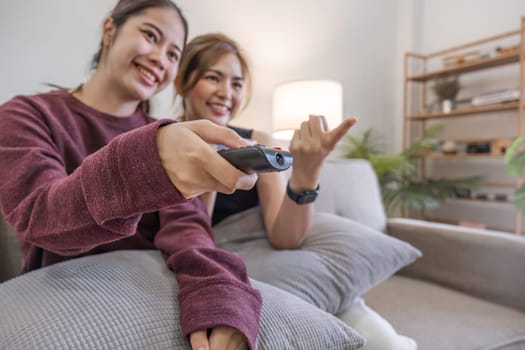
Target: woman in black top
(214, 82)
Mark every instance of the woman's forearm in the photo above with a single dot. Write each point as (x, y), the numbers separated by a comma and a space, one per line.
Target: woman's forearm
(290, 224)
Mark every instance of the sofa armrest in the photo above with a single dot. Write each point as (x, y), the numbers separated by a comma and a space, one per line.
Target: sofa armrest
(482, 263)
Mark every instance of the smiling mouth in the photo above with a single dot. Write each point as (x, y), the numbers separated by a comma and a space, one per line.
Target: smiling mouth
(219, 106)
(147, 74)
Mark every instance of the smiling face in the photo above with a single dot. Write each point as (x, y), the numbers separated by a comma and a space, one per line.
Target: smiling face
(218, 94)
(142, 56)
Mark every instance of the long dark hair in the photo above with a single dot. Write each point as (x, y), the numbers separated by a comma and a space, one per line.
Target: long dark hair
(129, 8)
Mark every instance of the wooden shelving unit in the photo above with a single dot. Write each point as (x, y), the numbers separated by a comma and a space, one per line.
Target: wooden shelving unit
(466, 111)
(422, 70)
(436, 155)
(468, 67)
(483, 201)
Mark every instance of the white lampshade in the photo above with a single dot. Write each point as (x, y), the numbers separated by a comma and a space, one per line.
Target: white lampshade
(294, 101)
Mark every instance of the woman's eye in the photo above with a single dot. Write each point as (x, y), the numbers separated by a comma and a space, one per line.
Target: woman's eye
(212, 78)
(173, 56)
(150, 35)
(237, 85)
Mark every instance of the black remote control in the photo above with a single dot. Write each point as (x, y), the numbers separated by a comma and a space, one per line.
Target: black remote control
(257, 159)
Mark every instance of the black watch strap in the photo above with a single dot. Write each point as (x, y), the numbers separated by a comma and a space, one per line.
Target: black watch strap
(302, 197)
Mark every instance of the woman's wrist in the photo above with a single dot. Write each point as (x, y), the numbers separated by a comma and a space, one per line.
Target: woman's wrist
(303, 197)
(299, 183)
(305, 172)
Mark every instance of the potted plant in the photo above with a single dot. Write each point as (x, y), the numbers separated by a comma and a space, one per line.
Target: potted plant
(515, 166)
(446, 90)
(397, 174)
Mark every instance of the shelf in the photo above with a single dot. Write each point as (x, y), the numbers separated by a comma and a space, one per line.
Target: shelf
(438, 155)
(467, 67)
(466, 126)
(466, 111)
(482, 201)
(498, 184)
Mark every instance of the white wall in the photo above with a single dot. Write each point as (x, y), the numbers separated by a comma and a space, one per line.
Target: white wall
(359, 42)
(47, 41)
(354, 41)
(447, 23)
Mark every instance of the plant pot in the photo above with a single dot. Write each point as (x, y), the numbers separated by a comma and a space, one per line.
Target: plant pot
(447, 106)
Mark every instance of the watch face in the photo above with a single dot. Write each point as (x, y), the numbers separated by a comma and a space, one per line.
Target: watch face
(307, 198)
(303, 197)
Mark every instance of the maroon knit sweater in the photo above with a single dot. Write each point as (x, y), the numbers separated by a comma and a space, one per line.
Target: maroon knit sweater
(75, 181)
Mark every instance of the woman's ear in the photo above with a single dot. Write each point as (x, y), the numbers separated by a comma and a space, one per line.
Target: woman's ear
(108, 30)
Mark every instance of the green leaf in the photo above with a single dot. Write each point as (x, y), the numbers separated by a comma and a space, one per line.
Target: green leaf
(395, 164)
(363, 147)
(398, 179)
(519, 199)
(411, 197)
(515, 158)
(426, 193)
(427, 142)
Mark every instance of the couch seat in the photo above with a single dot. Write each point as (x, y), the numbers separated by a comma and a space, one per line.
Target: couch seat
(476, 324)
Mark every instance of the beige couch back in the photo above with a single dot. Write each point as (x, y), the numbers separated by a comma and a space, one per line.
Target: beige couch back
(349, 188)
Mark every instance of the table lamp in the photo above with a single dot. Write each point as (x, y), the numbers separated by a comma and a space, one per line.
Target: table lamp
(294, 101)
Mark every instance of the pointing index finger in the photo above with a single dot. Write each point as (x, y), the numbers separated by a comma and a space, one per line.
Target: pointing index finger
(341, 130)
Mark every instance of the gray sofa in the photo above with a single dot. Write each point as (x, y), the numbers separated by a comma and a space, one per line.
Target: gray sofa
(466, 292)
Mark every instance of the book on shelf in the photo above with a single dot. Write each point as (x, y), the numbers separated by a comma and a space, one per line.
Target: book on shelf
(495, 97)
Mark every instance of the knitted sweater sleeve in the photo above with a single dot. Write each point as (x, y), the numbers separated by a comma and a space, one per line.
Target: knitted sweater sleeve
(214, 286)
(102, 201)
(99, 202)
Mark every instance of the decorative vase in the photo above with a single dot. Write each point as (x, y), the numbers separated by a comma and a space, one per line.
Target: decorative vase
(449, 147)
(447, 106)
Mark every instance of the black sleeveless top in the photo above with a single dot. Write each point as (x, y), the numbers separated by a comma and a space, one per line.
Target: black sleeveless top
(240, 200)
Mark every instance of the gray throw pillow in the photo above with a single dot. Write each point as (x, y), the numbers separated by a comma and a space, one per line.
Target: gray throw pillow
(339, 260)
(128, 300)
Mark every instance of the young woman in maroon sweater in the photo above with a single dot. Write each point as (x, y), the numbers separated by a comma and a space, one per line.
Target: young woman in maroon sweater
(88, 171)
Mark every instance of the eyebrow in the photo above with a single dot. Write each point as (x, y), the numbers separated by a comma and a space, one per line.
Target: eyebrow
(222, 74)
(161, 33)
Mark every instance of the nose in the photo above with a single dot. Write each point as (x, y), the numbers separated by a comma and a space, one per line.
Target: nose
(159, 57)
(224, 90)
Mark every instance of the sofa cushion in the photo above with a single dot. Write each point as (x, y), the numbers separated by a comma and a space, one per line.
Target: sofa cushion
(441, 318)
(339, 260)
(349, 188)
(10, 252)
(128, 300)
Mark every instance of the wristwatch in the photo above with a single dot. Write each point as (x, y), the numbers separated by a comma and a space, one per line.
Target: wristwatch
(302, 197)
